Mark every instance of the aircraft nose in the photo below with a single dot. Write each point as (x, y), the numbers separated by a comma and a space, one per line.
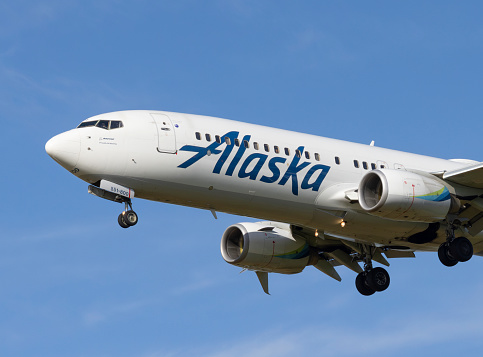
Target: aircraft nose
(65, 149)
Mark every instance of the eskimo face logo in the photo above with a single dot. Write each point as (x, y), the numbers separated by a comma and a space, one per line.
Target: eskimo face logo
(311, 181)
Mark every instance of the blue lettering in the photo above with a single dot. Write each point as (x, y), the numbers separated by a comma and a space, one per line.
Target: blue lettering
(292, 171)
(238, 156)
(324, 170)
(272, 165)
(232, 135)
(258, 166)
(312, 181)
(210, 149)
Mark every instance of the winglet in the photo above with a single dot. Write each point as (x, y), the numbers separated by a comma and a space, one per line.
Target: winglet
(263, 278)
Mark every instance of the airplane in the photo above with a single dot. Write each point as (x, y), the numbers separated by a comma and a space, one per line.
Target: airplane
(323, 202)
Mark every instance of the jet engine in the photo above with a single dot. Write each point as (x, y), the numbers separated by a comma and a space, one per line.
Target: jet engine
(406, 196)
(265, 246)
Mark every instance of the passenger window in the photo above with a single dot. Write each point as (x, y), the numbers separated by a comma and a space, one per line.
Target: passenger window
(255, 146)
(287, 151)
(382, 166)
(227, 140)
(103, 124)
(218, 139)
(237, 142)
(298, 153)
(307, 155)
(198, 136)
(116, 124)
(337, 160)
(276, 149)
(317, 156)
(245, 142)
(373, 166)
(87, 124)
(364, 165)
(356, 164)
(266, 147)
(208, 137)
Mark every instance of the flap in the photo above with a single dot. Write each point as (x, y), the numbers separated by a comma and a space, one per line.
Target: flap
(471, 176)
(390, 253)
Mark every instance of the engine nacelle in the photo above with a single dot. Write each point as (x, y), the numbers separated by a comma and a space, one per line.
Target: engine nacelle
(405, 196)
(264, 246)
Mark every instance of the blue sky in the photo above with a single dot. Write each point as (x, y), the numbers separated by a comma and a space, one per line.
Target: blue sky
(405, 74)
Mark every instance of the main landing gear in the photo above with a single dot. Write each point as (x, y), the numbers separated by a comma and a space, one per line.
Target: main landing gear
(127, 218)
(454, 250)
(371, 279)
(376, 279)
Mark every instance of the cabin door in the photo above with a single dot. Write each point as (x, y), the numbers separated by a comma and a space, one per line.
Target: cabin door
(166, 135)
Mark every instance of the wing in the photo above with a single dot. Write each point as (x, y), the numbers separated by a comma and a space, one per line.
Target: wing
(471, 213)
(471, 176)
(334, 251)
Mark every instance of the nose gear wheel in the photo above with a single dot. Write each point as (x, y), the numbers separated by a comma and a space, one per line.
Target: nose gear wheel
(128, 218)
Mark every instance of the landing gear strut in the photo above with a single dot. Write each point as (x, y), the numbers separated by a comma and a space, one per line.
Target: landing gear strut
(127, 218)
(454, 250)
(371, 279)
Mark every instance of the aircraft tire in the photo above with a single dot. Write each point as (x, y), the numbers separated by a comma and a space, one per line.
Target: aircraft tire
(444, 256)
(361, 285)
(121, 221)
(130, 217)
(461, 249)
(378, 279)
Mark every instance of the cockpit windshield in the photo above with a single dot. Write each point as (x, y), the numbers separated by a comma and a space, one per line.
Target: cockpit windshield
(85, 124)
(103, 124)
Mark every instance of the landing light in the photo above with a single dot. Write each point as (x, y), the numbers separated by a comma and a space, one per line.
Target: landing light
(316, 233)
(342, 224)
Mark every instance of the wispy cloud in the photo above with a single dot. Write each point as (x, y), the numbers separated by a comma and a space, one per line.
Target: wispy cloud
(105, 313)
(22, 95)
(197, 284)
(59, 232)
(16, 16)
(393, 334)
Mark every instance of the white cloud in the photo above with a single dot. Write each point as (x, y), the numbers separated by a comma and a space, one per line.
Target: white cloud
(387, 334)
(103, 314)
(16, 16)
(193, 286)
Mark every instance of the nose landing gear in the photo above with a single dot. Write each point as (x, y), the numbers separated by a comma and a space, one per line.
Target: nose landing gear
(120, 194)
(127, 218)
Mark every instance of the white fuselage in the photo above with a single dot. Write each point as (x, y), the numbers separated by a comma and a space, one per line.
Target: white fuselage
(176, 158)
